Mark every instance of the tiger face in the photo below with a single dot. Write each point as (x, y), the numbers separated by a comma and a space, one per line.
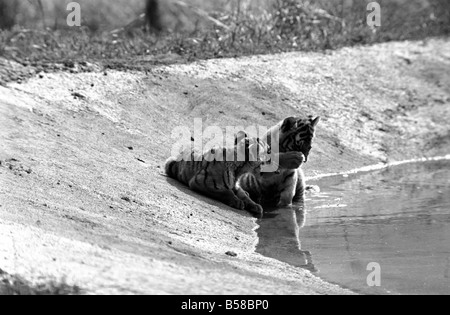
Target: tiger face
(296, 134)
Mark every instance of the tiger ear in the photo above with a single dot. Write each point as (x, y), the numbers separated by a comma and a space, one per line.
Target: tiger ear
(288, 124)
(315, 122)
(241, 135)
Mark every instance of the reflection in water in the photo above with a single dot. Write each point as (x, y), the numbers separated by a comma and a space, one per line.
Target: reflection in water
(279, 235)
(397, 217)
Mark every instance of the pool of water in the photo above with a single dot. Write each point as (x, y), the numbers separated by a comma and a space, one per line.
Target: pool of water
(397, 218)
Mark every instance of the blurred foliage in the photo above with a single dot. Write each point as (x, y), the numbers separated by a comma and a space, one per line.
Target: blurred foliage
(8, 12)
(200, 29)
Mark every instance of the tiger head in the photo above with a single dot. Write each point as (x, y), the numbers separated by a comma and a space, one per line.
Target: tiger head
(296, 134)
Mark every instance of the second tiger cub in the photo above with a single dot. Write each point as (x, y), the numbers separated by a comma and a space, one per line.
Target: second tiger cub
(217, 179)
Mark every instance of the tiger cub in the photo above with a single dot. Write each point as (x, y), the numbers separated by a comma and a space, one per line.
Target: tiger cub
(288, 183)
(217, 179)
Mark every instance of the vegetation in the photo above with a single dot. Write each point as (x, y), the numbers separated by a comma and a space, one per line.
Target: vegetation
(15, 285)
(199, 30)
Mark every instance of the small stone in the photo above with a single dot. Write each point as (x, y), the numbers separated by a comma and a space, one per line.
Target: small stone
(69, 64)
(77, 95)
(125, 198)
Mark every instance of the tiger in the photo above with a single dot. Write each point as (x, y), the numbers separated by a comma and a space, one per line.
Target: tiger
(217, 179)
(287, 184)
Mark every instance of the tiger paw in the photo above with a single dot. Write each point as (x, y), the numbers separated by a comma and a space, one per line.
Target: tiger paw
(291, 160)
(312, 189)
(255, 208)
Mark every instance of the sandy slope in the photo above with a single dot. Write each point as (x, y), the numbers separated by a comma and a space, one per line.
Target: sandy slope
(83, 198)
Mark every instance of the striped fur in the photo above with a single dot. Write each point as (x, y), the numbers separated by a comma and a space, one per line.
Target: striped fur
(288, 183)
(217, 179)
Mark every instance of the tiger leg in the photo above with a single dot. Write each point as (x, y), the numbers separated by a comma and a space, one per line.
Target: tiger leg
(251, 186)
(226, 196)
(300, 187)
(288, 193)
(250, 205)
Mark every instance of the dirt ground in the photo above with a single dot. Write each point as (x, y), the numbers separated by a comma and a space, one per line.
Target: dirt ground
(84, 202)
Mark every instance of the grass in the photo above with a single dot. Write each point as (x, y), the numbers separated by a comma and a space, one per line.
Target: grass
(199, 30)
(14, 285)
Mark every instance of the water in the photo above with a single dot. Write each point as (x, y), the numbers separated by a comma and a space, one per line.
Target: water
(398, 218)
